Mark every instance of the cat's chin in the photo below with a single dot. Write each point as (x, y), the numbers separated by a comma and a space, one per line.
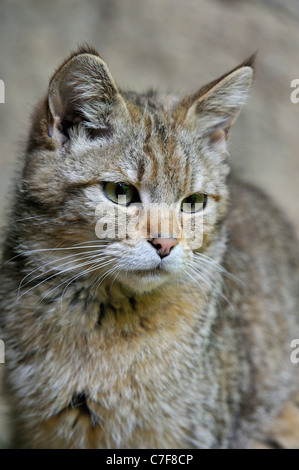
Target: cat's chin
(145, 280)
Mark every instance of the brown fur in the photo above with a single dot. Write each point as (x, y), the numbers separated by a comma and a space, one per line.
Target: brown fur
(104, 350)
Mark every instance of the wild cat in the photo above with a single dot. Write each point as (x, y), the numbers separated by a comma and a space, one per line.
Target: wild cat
(153, 337)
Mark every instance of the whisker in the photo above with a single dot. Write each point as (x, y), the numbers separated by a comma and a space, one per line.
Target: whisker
(74, 247)
(28, 218)
(213, 280)
(71, 279)
(95, 254)
(104, 276)
(116, 274)
(50, 277)
(195, 278)
(41, 250)
(206, 259)
(95, 266)
(100, 240)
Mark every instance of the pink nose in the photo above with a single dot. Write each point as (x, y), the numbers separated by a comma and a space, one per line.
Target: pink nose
(163, 245)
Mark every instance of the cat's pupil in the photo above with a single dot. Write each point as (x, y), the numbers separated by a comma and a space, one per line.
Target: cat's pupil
(115, 190)
(122, 190)
(194, 202)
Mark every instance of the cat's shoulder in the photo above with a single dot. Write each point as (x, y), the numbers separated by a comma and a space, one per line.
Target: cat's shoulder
(251, 206)
(258, 226)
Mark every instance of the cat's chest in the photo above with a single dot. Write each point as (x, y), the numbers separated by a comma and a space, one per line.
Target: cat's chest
(113, 315)
(116, 347)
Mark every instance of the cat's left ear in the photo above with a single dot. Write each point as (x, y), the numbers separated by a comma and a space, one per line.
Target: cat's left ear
(215, 107)
(83, 92)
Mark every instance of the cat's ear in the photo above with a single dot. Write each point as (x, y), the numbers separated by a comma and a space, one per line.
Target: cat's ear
(83, 91)
(214, 108)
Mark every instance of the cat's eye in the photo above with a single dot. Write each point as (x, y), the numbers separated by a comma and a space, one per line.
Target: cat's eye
(121, 193)
(194, 203)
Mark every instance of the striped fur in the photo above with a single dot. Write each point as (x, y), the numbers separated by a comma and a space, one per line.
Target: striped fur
(107, 346)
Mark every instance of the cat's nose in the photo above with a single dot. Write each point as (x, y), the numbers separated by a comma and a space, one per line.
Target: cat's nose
(163, 245)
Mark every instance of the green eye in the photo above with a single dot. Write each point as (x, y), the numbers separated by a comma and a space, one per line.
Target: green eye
(121, 193)
(194, 203)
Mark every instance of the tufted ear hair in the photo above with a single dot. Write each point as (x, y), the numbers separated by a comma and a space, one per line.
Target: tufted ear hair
(214, 108)
(82, 91)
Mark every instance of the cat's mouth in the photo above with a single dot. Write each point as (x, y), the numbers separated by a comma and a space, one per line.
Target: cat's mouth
(158, 271)
(142, 280)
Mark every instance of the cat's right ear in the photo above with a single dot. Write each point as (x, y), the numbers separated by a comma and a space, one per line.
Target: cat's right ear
(82, 91)
(214, 108)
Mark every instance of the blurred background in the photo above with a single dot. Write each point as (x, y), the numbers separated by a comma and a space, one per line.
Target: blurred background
(171, 45)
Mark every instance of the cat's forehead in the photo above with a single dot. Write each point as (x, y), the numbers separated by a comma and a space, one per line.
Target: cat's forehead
(150, 151)
(157, 155)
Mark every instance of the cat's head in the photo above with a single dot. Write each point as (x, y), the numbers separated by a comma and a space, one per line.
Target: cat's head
(134, 184)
